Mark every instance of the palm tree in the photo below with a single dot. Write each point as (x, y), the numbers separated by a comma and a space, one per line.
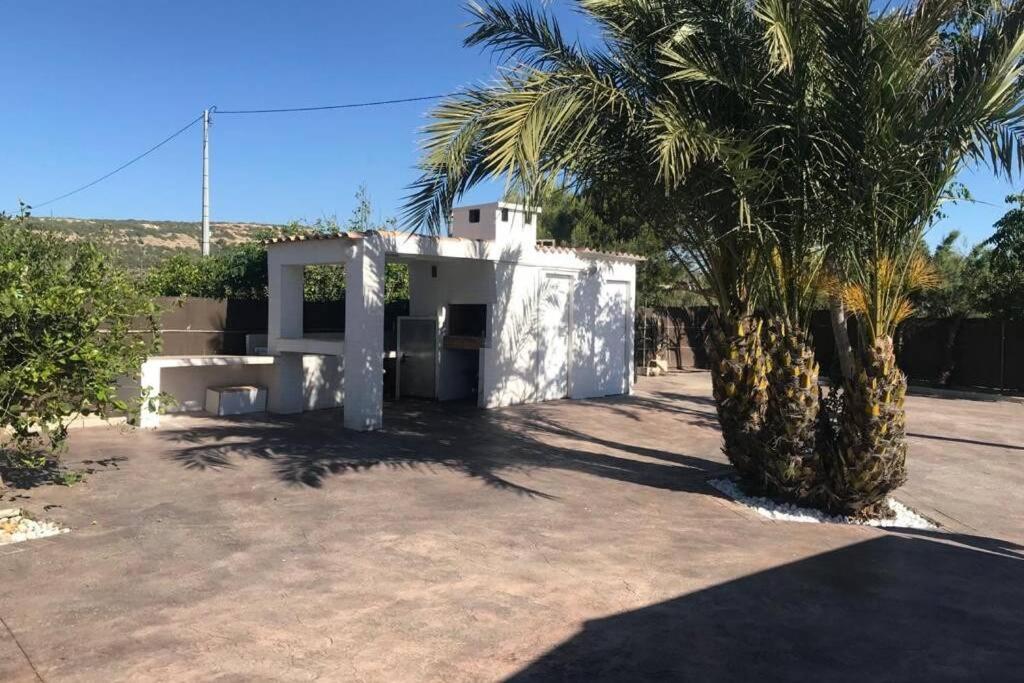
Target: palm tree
(625, 117)
(913, 95)
(688, 107)
(747, 131)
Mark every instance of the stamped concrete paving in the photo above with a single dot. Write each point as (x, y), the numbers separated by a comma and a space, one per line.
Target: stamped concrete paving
(566, 541)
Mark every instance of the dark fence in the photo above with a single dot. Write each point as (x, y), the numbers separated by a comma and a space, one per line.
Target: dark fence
(193, 326)
(972, 352)
(979, 352)
(673, 334)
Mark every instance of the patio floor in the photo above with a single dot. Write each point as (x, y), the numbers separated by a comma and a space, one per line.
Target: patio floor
(563, 541)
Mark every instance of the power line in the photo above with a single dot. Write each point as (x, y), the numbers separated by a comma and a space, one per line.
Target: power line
(124, 165)
(353, 105)
(214, 110)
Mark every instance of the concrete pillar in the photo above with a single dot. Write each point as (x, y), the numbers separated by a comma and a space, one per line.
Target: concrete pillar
(284, 317)
(286, 393)
(284, 320)
(364, 335)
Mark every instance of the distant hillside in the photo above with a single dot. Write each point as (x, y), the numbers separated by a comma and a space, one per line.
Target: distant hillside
(141, 243)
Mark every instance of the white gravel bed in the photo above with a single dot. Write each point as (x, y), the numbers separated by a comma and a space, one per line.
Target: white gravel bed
(15, 527)
(905, 517)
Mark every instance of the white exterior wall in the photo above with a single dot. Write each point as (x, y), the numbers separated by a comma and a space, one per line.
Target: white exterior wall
(492, 262)
(602, 305)
(515, 233)
(602, 342)
(509, 365)
(457, 282)
(322, 382)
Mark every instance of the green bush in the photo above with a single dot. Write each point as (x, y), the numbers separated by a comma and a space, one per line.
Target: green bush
(71, 324)
(240, 272)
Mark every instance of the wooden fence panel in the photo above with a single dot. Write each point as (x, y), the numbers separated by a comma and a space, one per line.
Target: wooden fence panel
(986, 354)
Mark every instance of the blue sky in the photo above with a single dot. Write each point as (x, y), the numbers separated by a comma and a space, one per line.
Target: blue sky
(89, 85)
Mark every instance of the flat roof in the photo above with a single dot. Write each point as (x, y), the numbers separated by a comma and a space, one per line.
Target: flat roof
(352, 235)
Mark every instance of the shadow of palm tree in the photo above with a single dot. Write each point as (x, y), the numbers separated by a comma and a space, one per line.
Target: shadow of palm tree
(419, 435)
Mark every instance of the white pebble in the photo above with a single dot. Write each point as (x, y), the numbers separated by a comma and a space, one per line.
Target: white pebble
(27, 529)
(904, 516)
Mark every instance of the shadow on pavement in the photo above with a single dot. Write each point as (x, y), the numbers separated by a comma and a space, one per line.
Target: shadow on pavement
(926, 607)
(973, 442)
(487, 445)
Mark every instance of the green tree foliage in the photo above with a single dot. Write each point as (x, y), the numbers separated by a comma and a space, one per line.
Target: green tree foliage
(240, 271)
(71, 324)
(961, 280)
(583, 222)
(1004, 252)
(235, 272)
(985, 280)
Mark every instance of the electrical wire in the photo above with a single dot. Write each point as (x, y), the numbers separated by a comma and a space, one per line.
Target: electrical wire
(214, 110)
(353, 105)
(122, 166)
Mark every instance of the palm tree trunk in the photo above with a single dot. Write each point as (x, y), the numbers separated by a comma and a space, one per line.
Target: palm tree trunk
(870, 459)
(792, 468)
(739, 380)
(841, 332)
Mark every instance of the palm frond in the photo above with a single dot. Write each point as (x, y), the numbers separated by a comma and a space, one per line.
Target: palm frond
(517, 31)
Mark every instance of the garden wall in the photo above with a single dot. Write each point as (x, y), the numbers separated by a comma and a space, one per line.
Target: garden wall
(985, 353)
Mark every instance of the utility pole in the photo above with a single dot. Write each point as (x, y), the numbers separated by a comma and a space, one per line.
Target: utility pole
(206, 181)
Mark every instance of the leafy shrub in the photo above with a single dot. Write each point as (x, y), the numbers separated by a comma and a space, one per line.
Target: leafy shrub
(240, 272)
(71, 324)
(236, 272)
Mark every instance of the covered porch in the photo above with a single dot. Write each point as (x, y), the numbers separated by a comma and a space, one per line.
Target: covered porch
(363, 349)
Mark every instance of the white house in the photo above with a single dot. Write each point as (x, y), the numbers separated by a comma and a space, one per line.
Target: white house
(495, 318)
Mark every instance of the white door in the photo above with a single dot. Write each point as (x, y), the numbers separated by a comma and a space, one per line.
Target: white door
(612, 328)
(553, 370)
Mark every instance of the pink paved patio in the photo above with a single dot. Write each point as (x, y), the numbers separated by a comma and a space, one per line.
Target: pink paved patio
(561, 541)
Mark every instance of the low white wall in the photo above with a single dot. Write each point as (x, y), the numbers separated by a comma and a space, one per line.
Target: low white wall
(188, 385)
(322, 384)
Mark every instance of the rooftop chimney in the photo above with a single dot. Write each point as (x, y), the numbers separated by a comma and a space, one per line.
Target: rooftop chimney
(499, 222)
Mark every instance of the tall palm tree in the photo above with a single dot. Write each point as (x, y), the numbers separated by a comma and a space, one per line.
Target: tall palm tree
(748, 131)
(915, 93)
(627, 118)
(687, 108)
